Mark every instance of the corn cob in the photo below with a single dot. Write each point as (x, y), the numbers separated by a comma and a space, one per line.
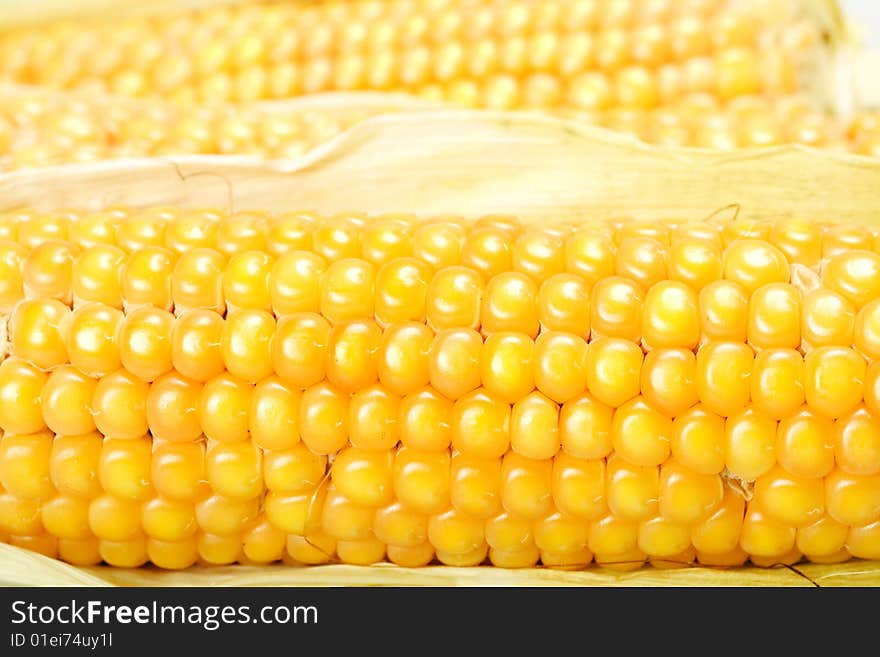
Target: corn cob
(476, 53)
(187, 386)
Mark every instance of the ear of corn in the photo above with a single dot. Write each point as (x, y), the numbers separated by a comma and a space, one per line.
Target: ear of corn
(484, 53)
(352, 388)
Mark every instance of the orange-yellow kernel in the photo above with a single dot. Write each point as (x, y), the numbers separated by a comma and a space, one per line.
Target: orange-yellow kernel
(506, 365)
(402, 291)
(114, 519)
(669, 380)
(455, 533)
(749, 443)
(298, 348)
(126, 553)
(754, 263)
(348, 290)
(398, 526)
(240, 232)
(487, 250)
(246, 280)
(197, 280)
(119, 405)
(373, 419)
(800, 240)
(688, 497)
(124, 468)
(273, 414)
(344, 520)
(263, 543)
(724, 371)
(222, 515)
(172, 406)
(788, 498)
(853, 500)
(323, 418)
(777, 382)
(578, 486)
(24, 465)
(805, 444)
(720, 532)
(177, 470)
(439, 243)
(642, 259)
(698, 440)
(145, 345)
(664, 538)
(195, 344)
(640, 433)
(632, 492)
(47, 271)
(173, 555)
(454, 362)
(454, 299)
(590, 254)
(564, 305)
(822, 538)
(856, 439)
(36, 332)
(695, 262)
(337, 238)
(92, 341)
(144, 228)
(616, 309)
(613, 367)
(421, 480)
(168, 520)
(614, 543)
(855, 275)
(352, 354)
(775, 317)
(21, 386)
(481, 425)
(561, 363)
(20, 516)
(827, 319)
(538, 254)
(12, 255)
(864, 542)
(295, 283)
(510, 304)
(534, 427)
(834, 380)
(724, 311)
(313, 549)
(764, 536)
(245, 343)
(95, 275)
(73, 464)
(235, 470)
(403, 358)
(425, 418)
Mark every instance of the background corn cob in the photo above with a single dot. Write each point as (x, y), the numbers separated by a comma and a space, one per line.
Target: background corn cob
(476, 53)
(189, 386)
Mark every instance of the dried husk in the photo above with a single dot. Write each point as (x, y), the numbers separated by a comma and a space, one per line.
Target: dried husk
(469, 163)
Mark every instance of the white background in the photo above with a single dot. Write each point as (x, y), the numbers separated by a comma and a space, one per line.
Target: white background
(864, 16)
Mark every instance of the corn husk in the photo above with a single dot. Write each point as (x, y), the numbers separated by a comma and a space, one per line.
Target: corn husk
(468, 163)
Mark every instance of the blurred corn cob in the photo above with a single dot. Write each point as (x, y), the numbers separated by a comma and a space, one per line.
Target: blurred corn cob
(584, 54)
(184, 386)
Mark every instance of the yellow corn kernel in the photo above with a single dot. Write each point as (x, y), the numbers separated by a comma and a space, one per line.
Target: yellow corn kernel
(855, 275)
(698, 440)
(245, 344)
(421, 480)
(223, 408)
(862, 542)
(119, 405)
(195, 344)
(750, 443)
(235, 470)
(564, 305)
(687, 497)
(295, 283)
(509, 304)
(754, 263)
(21, 386)
(454, 533)
(91, 337)
(642, 260)
(402, 291)
(720, 532)
(487, 251)
(724, 372)
(454, 365)
(856, 439)
(695, 261)
(168, 520)
(197, 280)
(172, 408)
(396, 526)
(616, 309)
(177, 470)
(790, 499)
(348, 290)
(47, 271)
(246, 280)
(669, 380)
(125, 553)
(25, 465)
(74, 463)
(764, 536)
(95, 275)
(145, 342)
(578, 486)
(614, 542)
(36, 332)
(777, 382)
(534, 427)
(613, 367)
(262, 543)
(640, 433)
(114, 519)
(454, 299)
(805, 444)
(724, 311)
(853, 500)
(12, 255)
(834, 380)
